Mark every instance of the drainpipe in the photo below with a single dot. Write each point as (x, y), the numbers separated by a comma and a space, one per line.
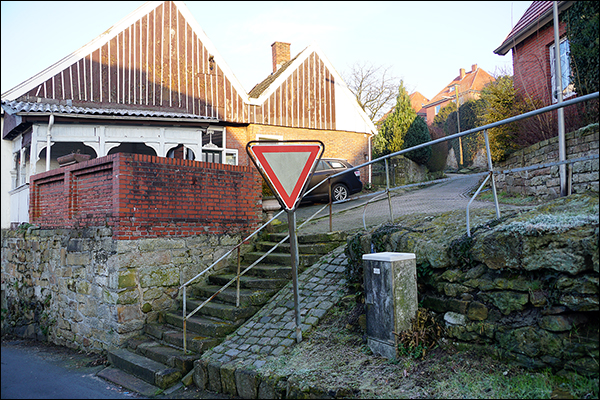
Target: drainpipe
(48, 137)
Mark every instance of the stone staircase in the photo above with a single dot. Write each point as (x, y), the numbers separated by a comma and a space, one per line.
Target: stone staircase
(154, 361)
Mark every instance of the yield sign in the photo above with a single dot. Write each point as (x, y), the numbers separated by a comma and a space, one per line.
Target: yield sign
(286, 166)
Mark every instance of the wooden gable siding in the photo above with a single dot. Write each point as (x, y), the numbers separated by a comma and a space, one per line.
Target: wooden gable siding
(158, 61)
(306, 99)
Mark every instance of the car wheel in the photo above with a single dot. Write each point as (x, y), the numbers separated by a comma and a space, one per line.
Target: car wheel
(339, 192)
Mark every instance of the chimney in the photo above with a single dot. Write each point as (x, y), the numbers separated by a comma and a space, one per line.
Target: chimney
(473, 67)
(281, 54)
(462, 73)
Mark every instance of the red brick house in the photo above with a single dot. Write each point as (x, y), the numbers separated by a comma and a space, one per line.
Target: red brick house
(469, 85)
(532, 44)
(154, 85)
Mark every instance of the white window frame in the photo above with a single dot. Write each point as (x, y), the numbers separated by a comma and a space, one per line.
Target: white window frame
(565, 67)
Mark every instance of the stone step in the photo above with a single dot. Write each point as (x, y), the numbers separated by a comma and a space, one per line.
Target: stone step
(128, 381)
(304, 260)
(310, 238)
(224, 311)
(173, 336)
(203, 326)
(144, 368)
(248, 297)
(321, 248)
(266, 271)
(248, 282)
(167, 355)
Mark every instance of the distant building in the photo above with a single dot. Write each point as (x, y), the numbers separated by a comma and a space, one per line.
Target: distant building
(417, 100)
(469, 87)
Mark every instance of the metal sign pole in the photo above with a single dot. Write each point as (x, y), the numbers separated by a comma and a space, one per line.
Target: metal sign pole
(295, 261)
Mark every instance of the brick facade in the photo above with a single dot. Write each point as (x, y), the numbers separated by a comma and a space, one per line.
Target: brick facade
(531, 64)
(351, 146)
(142, 196)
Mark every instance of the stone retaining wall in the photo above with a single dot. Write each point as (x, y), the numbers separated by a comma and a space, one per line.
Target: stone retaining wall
(526, 287)
(84, 289)
(545, 182)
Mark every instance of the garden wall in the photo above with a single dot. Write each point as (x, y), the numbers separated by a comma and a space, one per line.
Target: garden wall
(545, 182)
(81, 288)
(141, 196)
(525, 286)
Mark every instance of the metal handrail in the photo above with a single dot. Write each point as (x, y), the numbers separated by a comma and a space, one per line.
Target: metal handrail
(490, 173)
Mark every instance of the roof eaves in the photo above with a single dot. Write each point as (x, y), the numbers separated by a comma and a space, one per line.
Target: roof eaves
(519, 34)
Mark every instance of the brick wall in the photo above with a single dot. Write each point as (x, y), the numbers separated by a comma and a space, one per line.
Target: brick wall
(351, 146)
(531, 64)
(142, 196)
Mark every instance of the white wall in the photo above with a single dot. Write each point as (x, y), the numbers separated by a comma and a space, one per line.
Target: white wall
(5, 167)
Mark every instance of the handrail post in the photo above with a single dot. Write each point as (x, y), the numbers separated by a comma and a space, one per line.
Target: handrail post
(237, 298)
(387, 188)
(330, 206)
(491, 169)
(295, 262)
(184, 323)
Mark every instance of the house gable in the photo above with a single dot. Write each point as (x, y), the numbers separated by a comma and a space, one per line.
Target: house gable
(155, 58)
(308, 92)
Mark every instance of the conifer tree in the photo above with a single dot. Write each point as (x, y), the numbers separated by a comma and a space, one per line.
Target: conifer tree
(403, 129)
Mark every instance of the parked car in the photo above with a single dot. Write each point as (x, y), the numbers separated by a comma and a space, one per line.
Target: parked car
(341, 186)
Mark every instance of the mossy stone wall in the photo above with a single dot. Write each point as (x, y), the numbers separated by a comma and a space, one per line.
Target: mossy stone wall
(85, 289)
(524, 286)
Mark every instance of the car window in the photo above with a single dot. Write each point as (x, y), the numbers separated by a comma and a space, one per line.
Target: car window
(322, 166)
(336, 164)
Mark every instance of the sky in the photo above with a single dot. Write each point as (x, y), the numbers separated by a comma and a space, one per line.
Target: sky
(423, 43)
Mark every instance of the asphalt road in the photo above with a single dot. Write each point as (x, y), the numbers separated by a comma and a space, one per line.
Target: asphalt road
(34, 370)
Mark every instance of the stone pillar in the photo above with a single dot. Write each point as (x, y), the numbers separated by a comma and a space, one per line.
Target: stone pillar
(391, 299)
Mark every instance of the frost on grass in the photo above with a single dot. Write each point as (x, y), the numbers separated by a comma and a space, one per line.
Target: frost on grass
(550, 224)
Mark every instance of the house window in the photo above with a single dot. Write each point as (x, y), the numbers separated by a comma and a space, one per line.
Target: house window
(568, 87)
(437, 109)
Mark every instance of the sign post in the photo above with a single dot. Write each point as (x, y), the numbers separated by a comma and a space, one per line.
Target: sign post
(287, 166)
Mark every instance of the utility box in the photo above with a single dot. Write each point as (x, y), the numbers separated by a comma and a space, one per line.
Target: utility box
(390, 297)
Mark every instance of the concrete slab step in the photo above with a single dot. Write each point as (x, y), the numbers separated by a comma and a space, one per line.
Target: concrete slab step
(310, 238)
(304, 260)
(173, 336)
(266, 271)
(203, 326)
(168, 355)
(248, 282)
(128, 381)
(321, 248)
(224, 311)
(144, 368)
(248, 297)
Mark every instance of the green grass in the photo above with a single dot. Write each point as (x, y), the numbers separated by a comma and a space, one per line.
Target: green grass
(507, 198)
(512, 384)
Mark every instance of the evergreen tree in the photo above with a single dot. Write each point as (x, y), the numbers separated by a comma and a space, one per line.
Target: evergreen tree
(396, 133)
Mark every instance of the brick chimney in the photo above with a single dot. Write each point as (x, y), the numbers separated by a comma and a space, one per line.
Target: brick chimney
(462, 73)
(281, 54)
(473, 67)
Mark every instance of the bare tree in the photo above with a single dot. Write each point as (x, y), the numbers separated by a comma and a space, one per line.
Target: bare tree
(375, 88)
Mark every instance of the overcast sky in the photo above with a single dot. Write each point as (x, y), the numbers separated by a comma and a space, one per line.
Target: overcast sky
(423, 43)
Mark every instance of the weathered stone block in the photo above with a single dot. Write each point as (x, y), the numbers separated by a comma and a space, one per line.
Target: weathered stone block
(127, 278)
(506, 301)
(214, 377)
(477, 311)
(129, 296)
(201, 373)
(247, 382)
(228, 379)
(159, 276)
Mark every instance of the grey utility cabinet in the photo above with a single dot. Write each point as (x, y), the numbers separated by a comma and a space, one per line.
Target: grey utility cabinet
(390, 281)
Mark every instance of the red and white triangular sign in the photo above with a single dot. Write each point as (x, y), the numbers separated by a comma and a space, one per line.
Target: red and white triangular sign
(287, 166)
